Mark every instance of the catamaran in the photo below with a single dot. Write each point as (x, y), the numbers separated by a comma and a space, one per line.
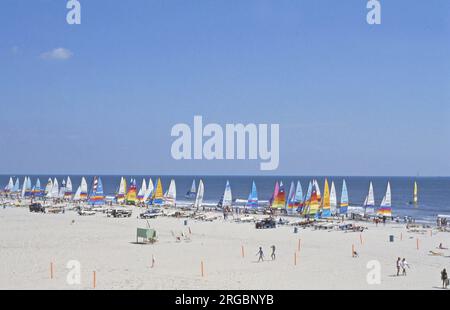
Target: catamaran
(142, 190)
(9, 187)
(131, 197)
(120, 197)
(291, 199)
(333, 199)
(48, 187)
(170, 196)
(415, 194)
(158, 197)
(77, 196)
(97, 196)
(37, 191)
(325, 203)
(149, 191)
(385, 206)
(199, 198)
(279, 200)
(369, 202)
(84, 189)
(252, 201)
(306, 199)
(69, 189)
(192, 193)
(344, 199)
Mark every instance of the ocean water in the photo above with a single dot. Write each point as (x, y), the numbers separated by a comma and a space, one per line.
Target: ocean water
(434, 192)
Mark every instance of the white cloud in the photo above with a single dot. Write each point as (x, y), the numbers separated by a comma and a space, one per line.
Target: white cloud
(59, 53)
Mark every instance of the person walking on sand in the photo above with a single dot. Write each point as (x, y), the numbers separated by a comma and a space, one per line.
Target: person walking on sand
(404, 264)
(273, 252)
(398, 266)
(444, 278)
(261, 254)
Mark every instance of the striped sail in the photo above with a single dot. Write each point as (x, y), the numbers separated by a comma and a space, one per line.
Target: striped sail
(131, 197)
(69, 189)
(385, 206)
(97, 196)
(157, 198)
(120, 197)
(344, 199)
(37, 191)
(290, 204)
(326, 209)
(192, 193)
(142, 190)
(279, 200)
(171, 195)
(333, 199)
(199, 198)
(84, 189)
(307, 199)
(298, 198)
(149, 191)
(313, 204)
(252, 201)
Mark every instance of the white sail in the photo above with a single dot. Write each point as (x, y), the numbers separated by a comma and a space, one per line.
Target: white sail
(149, 191)
(24, 187)
(48, 188)
(10, 185)
(55, 189)
(387, 198)
(333, 199)
(69, 187)
(199, 198)
(77, 195)
(142, 190)
(370, 199)
(84, 187)
(171, 194)
(227, 197)
(316, 185)
(415, 193)
(62, 189)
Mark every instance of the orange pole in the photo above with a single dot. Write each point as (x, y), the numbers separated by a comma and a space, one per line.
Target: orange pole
(360, 238)
(242, 251)
(94, 280)
(51, 270)
(201, 269)
(417, 243)
(295, 258)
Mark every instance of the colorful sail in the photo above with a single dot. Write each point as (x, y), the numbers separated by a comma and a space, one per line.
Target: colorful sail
(24, 187)
(279, 200)
(171, 195)
(252, 201)
(142, 190)
(77, 196)
(415, 193)
(369, 202)
(313, 204)
(307, 199)
(62, 189)
(333, 199)
(55, 189)
(149, 191)
(97, 196)
(192, 193)
(317, 187)
(158, 196)
(69, 189)
(37, 190)
(344, 199)
(131, 197)
(291, 199)
(326, 209)
(385, 206)
(121, 193)
(199, 197)
(84, 189)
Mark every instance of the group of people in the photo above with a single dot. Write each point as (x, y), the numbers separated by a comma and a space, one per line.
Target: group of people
(401, 266)
(260, 253)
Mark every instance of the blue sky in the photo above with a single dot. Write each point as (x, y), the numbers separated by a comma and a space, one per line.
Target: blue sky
(350, 98)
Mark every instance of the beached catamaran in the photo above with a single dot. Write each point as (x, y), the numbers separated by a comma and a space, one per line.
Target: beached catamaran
(54, 191)
(306, 199)
(97, 196)
(298, 198)
(142, 190)
(291, 199)
(84, 189)
(199, 197)
(252, 201)
(226, 200)
(158, 197)
(192, 192)
(170, 196)
(37, 191)
(333, 199)
(120, 197)
(279, 200)
(69, 189)
(325, 203)
(344, 199)
(131, 197)
(48, 187)
(415, 193)
(9, 187)
(313, 205)
(149, 192)
(62, 189)
(385, 206)
(369, 202)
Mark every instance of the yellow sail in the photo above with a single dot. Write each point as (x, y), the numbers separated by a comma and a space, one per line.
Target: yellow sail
(131, 197)
(158, 194)
(326, 211)
(313, 205)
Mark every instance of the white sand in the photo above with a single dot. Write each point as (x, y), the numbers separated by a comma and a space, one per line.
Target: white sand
(29, 242)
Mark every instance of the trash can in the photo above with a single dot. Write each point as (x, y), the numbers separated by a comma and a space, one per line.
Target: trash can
(185, 222)
(295, 230)
(391, 238)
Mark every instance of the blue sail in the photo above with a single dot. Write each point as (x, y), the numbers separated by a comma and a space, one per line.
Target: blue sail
(344, 199)
(253, 198)
(97, 197)
(298, 198)
(16, 187)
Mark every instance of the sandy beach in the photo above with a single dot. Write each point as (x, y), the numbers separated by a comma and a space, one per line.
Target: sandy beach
(31, 242)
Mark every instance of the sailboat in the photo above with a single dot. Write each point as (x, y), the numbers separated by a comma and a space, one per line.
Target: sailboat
(54, 191)
(69, 189)
(313, 204)
(226, 199)
(316, 185)
(369, 202)
(279, 201)
(37, 191)
(291, 199)
(131, 197)
(142, 190)
(333, 199)
(97, 196)
(77, 196)
(84, 189)
(343, 208)
(298, 198)
(171, 195)
(120, 197)
(307, 199)
(48, 187)
(158, 196)
(325, 205)
(385, 206)
(24, 187)
(252, 201)
(16, 188)
(415, 194)
(199, 198)
(8, 188)
(62, 190)
(192, 193)
(149, 192)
